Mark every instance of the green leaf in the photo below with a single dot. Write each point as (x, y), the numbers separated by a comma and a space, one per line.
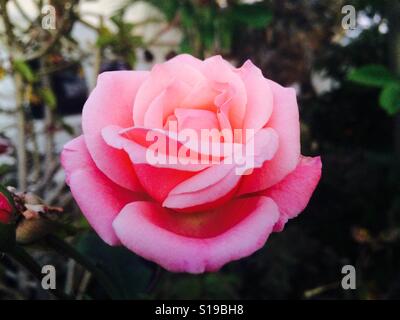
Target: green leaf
(25, 70)
(7, 237)
(5, 168)
(185, 46)
(373, 75)
(389, 98)
(253, 15)
(169, 8)
(129, 273)
(105, 37)
(49, 98)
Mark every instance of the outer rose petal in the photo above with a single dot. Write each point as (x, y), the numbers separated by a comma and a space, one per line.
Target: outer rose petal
(138, 229)
(186, 58)
(111, 103)
(99, 198)
(293, 193)
(259, 96)
(285, 121)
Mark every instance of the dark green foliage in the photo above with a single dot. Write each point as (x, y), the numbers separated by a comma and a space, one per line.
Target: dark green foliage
(130, 274)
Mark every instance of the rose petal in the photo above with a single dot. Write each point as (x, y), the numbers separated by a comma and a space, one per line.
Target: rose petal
(204, 187)
(259, 96)
(161, 77)
(196, 119)
(233, 98)
(111, 103)
(164, 104)
(186, 59)
(216, 182)
(98, 197)
(136, 143)
(195, 243)
(151, 175)
(293, 193)
(285, 121)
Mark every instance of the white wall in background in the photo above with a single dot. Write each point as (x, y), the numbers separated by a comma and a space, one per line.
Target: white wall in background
(86, 37)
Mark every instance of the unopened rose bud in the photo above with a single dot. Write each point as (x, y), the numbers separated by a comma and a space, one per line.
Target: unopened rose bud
(37, 218)
(34, 218)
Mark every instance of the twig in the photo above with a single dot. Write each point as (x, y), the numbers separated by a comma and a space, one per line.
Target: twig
(87, 276)
(48, 175)
(155, 279)
(53, 196)
(48, 120)
(173, 23)
(21, 147)
(54, 39)
(69, 281)
(7, 24)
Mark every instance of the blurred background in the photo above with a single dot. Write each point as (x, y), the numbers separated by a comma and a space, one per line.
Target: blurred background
(343, 61)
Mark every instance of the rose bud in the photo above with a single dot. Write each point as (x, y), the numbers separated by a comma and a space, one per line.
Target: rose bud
(6, 210)
(36, 219)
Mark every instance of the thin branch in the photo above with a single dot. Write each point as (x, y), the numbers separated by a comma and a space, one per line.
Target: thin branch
(7, 24)
(59, 33)
(87, 276)
(69, 282)
(21, 147)
(173, 23)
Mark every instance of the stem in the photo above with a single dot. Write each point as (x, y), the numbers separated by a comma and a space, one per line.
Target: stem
(172, 24)
(67, 250)
(7, 24)
(155, 280)
(21, 148)
(57, 35)
(23, 258)
(11, 48)
(48, 120)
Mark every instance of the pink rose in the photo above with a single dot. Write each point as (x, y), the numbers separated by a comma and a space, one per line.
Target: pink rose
(187, 215)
